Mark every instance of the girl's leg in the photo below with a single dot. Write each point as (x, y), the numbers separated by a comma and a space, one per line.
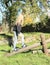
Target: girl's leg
(14, 41)
(22, 39)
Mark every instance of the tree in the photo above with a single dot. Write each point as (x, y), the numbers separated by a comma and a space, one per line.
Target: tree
(29, 7)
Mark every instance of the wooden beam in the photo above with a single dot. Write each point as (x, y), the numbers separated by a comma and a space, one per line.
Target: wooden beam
(24, 49)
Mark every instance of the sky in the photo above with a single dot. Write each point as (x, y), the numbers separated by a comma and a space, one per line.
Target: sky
(0, 16)
(0, 13)
(1, 9)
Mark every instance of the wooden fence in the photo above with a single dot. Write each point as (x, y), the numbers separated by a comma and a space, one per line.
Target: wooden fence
(43, 43)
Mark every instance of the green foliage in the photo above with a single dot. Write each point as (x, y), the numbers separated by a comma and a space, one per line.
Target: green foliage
(44, 19)
(14, 11)
(30, 9)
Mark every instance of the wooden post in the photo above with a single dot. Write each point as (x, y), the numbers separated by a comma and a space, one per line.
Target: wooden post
(43, 43)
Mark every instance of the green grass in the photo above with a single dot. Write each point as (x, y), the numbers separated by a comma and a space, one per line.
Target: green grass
(27, 58)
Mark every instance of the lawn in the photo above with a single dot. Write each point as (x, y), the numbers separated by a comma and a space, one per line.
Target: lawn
(27, 58)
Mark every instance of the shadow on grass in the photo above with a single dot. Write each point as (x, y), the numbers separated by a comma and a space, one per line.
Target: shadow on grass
(8, 38)
(5, 51)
